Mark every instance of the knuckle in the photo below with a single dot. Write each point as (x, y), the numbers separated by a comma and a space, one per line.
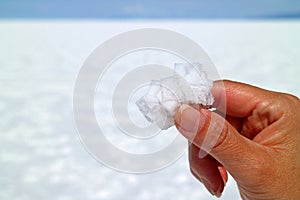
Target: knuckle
(291, 98)
(223, 136)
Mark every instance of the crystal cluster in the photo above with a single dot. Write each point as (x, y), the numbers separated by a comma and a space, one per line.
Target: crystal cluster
(188, 85)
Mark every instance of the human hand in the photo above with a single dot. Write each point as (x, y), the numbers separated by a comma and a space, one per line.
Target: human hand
(258, 143)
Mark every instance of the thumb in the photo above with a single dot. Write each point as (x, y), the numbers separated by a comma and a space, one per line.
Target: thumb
(213, 134)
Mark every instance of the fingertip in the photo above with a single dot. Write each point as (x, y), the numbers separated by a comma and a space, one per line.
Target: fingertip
(187, 121)
(179, 112)
(206, 171)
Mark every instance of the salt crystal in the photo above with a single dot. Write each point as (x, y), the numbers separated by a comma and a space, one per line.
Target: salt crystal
(188, 85)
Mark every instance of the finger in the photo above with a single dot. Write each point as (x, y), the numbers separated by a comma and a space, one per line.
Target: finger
(238, 99)
(257, 108)
(207, 171)
(211, 133)
(236, 122)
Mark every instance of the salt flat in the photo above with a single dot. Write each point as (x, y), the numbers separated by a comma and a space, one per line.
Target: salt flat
(41, 156)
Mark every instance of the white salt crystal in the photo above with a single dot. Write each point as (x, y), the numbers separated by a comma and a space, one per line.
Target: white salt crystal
(188, 85)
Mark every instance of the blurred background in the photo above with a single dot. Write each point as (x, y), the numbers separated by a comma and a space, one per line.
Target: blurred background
(44, 43)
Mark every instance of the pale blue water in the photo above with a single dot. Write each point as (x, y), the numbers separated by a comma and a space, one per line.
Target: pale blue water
(137, 9)
(41, 156)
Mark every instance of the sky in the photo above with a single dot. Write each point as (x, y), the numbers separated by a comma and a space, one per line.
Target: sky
(124, 9)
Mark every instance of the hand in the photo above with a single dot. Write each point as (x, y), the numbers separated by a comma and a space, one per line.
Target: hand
(258, 143)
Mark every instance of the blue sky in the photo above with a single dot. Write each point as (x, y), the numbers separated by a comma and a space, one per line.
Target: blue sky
(119, 9)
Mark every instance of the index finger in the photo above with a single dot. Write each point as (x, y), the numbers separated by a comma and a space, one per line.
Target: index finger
(237, 99)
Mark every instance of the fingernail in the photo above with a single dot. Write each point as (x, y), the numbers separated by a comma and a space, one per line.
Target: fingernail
(219, 191)
(188, 120)
(209, 187)
(223, 175)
